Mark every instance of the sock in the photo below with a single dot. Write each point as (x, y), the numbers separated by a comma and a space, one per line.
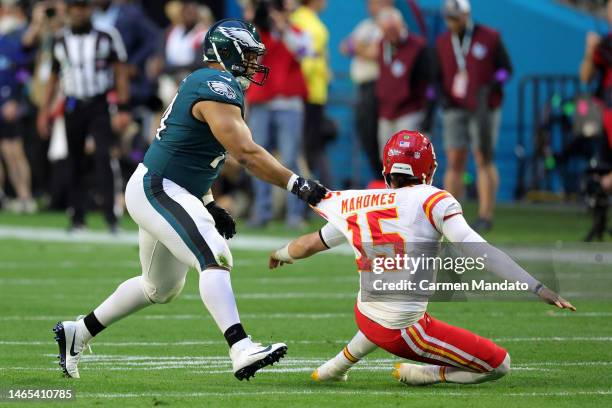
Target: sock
(459, 376)
(234, 334)
(129, 297)
(218, 297)
(354, 351)
(92, 324)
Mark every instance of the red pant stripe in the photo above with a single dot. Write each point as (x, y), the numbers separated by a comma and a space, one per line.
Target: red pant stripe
(452, 349)
(440, 351)
(424, 353)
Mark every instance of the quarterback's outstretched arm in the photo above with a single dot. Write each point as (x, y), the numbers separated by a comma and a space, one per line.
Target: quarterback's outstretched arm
(457, 231)
(299, 248)
(229, 128)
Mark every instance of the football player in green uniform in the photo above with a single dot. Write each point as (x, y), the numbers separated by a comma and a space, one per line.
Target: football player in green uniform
(169, 196)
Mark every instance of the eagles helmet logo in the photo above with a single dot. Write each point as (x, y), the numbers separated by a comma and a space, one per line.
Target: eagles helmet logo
(243, 36)
(223, 89)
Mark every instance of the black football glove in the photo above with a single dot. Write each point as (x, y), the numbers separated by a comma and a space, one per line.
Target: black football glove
(224, 222)
(308, 190)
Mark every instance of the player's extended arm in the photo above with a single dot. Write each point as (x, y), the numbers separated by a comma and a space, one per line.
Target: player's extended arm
(457, 231)
(231, 131)
(299, 248)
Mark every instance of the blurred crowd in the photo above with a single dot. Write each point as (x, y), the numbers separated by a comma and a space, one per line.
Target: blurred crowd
(83, 84)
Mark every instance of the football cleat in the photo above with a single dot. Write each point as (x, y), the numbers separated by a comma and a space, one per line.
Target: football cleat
(246, 361)
(330, 372)
(71, 345)
(415, 374)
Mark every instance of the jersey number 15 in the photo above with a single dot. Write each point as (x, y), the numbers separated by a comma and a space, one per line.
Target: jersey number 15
(377, 236)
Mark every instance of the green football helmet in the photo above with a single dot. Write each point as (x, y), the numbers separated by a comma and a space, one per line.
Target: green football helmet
(236, 45)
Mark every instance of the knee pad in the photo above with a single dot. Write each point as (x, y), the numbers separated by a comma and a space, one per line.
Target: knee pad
(164, 294)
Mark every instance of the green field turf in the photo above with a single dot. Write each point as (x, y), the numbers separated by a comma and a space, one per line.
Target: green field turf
(174, 355)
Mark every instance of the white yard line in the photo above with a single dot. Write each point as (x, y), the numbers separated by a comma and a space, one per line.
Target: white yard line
(323, 341)
(336, 391)
(241, 241)
(303, 316)
(202, 316)
(262, 243)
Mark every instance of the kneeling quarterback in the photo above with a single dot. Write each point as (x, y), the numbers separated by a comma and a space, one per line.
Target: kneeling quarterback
(169, 196)
(410, 207)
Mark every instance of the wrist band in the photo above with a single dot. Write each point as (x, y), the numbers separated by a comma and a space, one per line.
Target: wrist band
(291, 182)
(283, 254)
(538, 288)
(207, 199)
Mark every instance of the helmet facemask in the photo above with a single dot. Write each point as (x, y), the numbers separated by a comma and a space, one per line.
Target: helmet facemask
(251, 59)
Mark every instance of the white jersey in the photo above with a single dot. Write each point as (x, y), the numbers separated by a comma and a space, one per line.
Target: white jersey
(375, 223)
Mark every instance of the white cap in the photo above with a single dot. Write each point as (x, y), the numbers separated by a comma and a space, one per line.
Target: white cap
(454, 8)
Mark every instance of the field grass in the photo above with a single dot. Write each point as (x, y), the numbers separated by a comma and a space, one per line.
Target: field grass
(174, 355)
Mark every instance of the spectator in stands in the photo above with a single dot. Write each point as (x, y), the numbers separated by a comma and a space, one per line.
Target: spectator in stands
(140, 36)
(362, 45)
(49, 166)
(405, 72)
(474, 64)
(13, 74)
(316, 70)
(598, 60)
(181, 51)
(276, 110)
(183, 42)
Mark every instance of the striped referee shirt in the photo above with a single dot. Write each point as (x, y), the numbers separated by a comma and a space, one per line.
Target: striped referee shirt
(84, 60)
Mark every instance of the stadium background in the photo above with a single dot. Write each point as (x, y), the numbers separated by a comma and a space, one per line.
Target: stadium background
(173, 354)
(543, 38)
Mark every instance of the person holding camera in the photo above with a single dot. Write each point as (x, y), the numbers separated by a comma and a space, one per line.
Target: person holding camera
(276, 113)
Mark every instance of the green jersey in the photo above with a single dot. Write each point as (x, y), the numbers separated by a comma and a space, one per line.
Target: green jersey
(184, 149)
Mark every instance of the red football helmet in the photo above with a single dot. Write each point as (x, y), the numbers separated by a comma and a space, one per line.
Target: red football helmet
(409, 152)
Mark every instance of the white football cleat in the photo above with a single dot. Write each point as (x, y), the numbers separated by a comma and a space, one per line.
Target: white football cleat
(415, 374)
(71, 342)
(249, 357)
(330, 372)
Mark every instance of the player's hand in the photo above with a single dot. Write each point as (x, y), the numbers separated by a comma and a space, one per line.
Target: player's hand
(308, 190)
(555, 299)
(224, 222)
(277, 260)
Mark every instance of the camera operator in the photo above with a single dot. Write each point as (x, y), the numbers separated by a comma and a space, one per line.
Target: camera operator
(277, 109)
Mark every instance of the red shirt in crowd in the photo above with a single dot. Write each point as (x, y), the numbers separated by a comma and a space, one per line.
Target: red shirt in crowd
(285, 77)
